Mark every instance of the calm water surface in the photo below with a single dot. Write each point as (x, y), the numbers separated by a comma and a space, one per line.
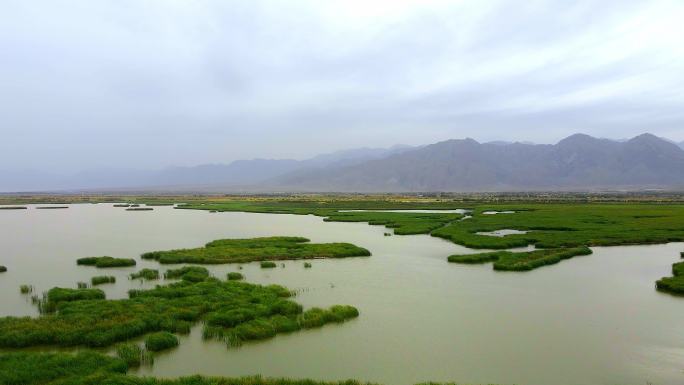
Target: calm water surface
(589, 320)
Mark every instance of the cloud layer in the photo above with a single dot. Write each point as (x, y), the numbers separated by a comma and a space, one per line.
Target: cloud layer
(148, 84)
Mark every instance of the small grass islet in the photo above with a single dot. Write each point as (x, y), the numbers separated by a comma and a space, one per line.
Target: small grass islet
(102, 279)
(232, 310)
(26, 289)
(307, 265)
(235, 276)
(106, 261)
(521, 261)
(160, 341)
(3, 269)
(135, 208)
(257, 249)
(674, 284)
(188, 273)
(82, 285)
(146, 274)
(13, 207)
(268, 265)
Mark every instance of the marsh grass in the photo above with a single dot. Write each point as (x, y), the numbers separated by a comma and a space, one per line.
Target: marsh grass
(257, 249)
(234, 276)
(102, 279)
(51, 207)
(674, 284)
(133, 355)
(133, 208)
(160, 341)
(121, 205)
(188, 273)
(521, 261)
(13, 207)
(307, 265)
(3, 269)
(81, 285)
(91, 368)
(267, 264)
(147, 274)
(26, 289)
(106, 261)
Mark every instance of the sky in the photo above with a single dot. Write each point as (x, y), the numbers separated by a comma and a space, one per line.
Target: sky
(149, 84)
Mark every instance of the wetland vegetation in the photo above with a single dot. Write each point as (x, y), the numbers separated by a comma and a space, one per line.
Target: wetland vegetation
(3, 269)
(257, 249)
(147, 274)
(233, 310)
(103, 262)
(102, 279)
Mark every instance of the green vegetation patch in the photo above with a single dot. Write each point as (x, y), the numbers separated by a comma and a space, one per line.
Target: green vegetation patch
(105, 261)
(91, 368)
(160, 341)
(13, 207)
(133, 355)
(52, 207)
(102, 279)
(229, 308)
(674, 284)
(521, 261)
(3, 269)
(188, 273)
(148, 274)
(268, 265)
(257, 249)
(235, 276)
(135, 208)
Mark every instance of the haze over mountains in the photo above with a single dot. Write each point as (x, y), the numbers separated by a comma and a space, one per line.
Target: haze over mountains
(579, 162)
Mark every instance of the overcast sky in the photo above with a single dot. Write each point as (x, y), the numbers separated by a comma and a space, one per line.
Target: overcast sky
(147, 84)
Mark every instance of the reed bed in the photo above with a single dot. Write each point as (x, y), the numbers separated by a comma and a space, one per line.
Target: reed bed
(160, 341)
(102, 279)
(257, 249)
(146, 274)
(106, 261)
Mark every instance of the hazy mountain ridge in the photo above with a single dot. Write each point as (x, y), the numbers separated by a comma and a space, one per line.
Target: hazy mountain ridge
(205, 176)
(579, 162)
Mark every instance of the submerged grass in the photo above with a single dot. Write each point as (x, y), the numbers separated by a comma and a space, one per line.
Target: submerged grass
(102, 279)
(232, 310)
(257, 249)
(148, 274)
(106, 261)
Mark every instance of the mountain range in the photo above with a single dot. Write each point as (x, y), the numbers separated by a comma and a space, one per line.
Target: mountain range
(578, 163)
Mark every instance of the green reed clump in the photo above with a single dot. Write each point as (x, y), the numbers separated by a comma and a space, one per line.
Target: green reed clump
(81, 285)
(26, 289)
(13, 207)
(317, 317)
(307, 265)
(133, 355)
(674, 284)
(148, 274)
(257, 249)
(121, 205)
(234, 276)
(132, 208)
(102, 279)
(3, 269)
(268, 265)
(478, 257)
(52, 207)
(537, 258)
(106, 261)
(60, 294)
(160, 341)
(188, 273)
(91, 368)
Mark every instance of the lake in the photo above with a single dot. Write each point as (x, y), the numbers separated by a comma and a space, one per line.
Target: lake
(590, 320)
